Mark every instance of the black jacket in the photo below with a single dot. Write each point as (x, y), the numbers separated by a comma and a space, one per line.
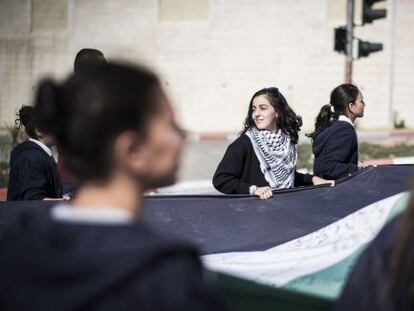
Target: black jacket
(240, 168)
(33, 174)
(53, 265)
(336, 151)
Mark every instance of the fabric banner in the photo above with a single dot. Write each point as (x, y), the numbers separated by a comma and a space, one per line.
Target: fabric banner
(317, 263)
(301, 243)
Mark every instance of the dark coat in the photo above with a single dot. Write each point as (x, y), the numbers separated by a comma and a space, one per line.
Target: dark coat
(239, 169)
(33, 174)
(369, 285)
(54, 265)
(336, 151)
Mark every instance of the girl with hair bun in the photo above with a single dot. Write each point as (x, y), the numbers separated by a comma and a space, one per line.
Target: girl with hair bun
(263, 158)
(33, 172)
(117, 129)
(335, 143)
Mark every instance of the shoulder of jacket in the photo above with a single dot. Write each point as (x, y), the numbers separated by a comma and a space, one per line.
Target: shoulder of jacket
(342, 125)
(243, 141)
(339, 127)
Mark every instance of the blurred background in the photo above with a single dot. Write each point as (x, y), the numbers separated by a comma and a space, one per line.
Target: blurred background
(212, 55)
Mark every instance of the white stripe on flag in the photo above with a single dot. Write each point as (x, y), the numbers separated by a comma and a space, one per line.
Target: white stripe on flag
(310, 253)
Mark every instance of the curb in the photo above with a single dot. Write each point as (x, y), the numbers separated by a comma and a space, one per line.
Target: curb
(204, 186)
(368, 135)
(210, 136)
(401, 160)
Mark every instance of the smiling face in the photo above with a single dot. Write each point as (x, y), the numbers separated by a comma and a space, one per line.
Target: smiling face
(263, 114)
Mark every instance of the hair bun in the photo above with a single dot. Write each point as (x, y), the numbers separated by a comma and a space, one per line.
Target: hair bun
(46, 106)
(25, 115)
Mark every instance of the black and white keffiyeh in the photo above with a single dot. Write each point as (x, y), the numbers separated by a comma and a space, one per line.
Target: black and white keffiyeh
(277, 156)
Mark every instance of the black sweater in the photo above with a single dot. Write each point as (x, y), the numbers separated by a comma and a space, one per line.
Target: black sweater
(336, 151)
(58, 265)
(239, 169)
(33, 174)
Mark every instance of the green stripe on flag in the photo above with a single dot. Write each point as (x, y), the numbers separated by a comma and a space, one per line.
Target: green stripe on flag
(243, 295)
(328, 283)
(399, 206)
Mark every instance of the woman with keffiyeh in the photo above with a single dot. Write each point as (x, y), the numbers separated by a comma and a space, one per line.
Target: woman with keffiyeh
(263, 157)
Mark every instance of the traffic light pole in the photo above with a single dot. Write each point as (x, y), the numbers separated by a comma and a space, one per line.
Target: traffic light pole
(349, 40)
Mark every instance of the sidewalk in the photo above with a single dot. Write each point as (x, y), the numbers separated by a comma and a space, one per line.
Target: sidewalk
(386, 137)
(402, 160)
(203, 152)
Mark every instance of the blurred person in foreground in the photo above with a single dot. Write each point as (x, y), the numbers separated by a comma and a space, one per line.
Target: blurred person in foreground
(33, 173)
(119, 135)
(383, 277)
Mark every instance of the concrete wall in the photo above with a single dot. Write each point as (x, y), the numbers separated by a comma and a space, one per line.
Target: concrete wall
(212, 55)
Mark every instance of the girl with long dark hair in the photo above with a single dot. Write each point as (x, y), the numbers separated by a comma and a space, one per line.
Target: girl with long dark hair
(335, 144)
(263, 158)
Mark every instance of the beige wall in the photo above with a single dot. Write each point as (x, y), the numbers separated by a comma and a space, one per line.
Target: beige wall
(212, 55)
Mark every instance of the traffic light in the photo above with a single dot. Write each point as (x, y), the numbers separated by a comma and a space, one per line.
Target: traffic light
(344, 36)
(369, 14)
(340, 40)
(365, 48)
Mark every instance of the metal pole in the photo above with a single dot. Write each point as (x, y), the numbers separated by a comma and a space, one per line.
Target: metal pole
(391, 67)
(349, 37)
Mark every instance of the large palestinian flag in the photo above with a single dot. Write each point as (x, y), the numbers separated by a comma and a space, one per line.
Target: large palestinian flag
(302, 243)
(292, 252)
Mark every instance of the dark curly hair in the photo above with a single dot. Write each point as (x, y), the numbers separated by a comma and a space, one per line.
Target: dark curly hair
(26, 118)
(288, 121)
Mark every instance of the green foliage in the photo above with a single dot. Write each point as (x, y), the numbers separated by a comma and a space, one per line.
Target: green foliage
(371, 151)
(10, 137)
(367, 151)
(305, 156)
(398, 123)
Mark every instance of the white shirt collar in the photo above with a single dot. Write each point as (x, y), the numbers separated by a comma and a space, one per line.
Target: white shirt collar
(42, 145)
(108, 215)
(346, 119)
